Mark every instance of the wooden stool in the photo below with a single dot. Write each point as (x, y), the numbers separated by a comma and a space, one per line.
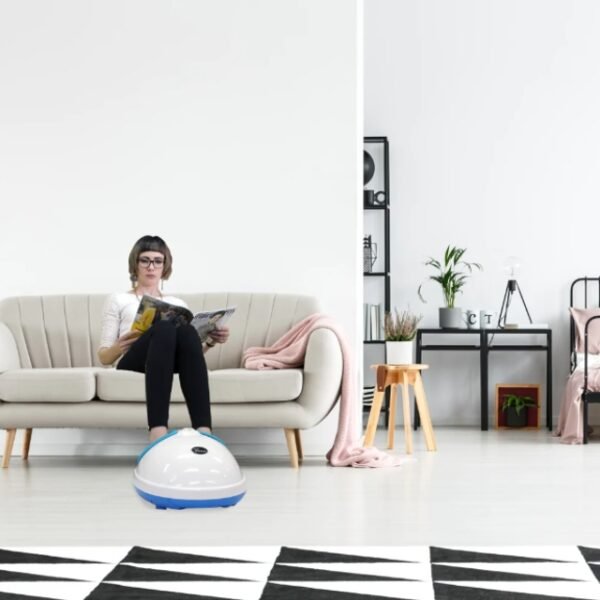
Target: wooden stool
(406, 375)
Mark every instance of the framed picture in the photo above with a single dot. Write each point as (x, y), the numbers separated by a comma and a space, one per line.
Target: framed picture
(513, 394)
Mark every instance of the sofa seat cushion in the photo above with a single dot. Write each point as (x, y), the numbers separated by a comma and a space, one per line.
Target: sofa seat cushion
(48, 385)
(227, 386)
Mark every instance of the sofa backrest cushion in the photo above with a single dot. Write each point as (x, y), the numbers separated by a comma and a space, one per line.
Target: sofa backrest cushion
(64, 330)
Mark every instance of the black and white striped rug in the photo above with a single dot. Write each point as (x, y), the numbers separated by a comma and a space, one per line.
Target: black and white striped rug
(303, 573)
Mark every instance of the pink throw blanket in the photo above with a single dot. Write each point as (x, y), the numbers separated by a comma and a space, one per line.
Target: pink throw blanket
(570, 419)
(288, 352)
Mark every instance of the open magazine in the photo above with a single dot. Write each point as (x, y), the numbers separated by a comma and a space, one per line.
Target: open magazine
(152, 310)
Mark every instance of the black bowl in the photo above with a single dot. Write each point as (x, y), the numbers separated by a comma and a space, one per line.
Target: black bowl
(369, 167)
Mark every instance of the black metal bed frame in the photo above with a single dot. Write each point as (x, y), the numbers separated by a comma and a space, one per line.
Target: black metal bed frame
(587, 395)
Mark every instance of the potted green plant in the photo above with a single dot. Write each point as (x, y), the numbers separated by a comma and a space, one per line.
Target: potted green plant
(400, 330)
(515, 406)
(452, 274)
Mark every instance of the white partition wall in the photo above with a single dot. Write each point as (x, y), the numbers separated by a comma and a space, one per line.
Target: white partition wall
(229, 128)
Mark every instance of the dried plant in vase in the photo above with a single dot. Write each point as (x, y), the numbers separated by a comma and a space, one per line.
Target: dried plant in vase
(400, 330)
(401, 327)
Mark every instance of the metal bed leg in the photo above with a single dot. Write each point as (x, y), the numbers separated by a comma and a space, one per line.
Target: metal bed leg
(549, 381)
(585, 417)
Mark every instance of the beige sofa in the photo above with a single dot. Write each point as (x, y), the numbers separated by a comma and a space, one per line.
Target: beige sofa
(50, 375)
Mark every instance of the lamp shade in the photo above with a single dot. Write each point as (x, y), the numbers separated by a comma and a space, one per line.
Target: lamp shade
(511, 265)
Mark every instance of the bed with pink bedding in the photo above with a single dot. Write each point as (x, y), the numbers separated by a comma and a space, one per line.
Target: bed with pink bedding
(570, 419)
(583, 385)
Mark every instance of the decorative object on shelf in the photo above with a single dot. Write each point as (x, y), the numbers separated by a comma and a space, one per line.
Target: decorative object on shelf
(369, 254)
(517, 406)
(372, 198)
(400, 331)
(471, 318)
(373, 322)
(369, 167)
(380, 198)
(452, 279)
(512, 265)
(486, 319)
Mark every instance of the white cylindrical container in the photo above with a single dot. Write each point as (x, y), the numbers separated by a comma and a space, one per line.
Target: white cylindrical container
(399, 353)
(188, 469)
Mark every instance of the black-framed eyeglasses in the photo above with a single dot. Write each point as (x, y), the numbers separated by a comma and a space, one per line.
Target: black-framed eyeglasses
(145, 262)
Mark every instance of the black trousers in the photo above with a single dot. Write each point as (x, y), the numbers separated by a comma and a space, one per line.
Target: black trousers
(159, 353)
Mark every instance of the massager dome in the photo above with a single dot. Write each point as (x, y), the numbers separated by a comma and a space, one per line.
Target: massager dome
(188, 469)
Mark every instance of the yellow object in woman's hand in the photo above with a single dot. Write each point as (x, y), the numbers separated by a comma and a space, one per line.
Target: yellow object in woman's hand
(145, 321)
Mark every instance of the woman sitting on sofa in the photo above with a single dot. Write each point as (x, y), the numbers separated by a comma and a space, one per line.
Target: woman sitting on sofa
(163, 349)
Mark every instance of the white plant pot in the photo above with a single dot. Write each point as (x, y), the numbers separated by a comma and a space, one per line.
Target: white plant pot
(399, 353)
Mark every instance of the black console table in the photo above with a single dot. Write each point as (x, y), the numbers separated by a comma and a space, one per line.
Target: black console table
(484, 346)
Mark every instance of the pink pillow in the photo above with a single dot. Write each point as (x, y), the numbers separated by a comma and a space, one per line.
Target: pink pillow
(580, 317)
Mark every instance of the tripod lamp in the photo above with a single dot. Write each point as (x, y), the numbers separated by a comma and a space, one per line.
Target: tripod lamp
(512, 286)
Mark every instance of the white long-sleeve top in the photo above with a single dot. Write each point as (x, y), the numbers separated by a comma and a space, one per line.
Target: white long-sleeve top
(119, 312)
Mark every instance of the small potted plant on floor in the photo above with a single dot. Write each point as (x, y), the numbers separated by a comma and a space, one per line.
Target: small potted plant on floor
(400, 331)
(515, 406)
(452, 278)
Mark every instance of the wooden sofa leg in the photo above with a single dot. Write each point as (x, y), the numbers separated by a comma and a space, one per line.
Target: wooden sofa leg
(290, 438)
(299, 445)
(26, 443)
(8, 446)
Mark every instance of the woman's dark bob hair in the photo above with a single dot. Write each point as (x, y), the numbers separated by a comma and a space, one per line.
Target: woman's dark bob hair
(151, 243)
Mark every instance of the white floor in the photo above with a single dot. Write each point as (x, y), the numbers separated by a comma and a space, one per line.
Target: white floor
(480, 488)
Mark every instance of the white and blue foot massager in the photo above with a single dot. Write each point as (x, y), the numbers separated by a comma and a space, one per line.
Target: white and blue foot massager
(188, 469)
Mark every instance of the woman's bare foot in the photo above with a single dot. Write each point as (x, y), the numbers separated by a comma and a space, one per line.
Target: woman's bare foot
(157, 432)
(204, 430)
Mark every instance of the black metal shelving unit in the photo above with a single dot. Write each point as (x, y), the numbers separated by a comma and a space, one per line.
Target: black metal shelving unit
(385, 274)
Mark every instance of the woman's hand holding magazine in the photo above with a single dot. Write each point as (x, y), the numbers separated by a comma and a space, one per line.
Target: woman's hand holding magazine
(219, 335)
(127, 339)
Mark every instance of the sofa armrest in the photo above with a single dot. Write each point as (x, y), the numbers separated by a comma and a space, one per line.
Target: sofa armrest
(9, 354)
(322, 376)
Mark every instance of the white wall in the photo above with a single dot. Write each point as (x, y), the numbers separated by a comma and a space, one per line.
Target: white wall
(231, 129)
(491, 108)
